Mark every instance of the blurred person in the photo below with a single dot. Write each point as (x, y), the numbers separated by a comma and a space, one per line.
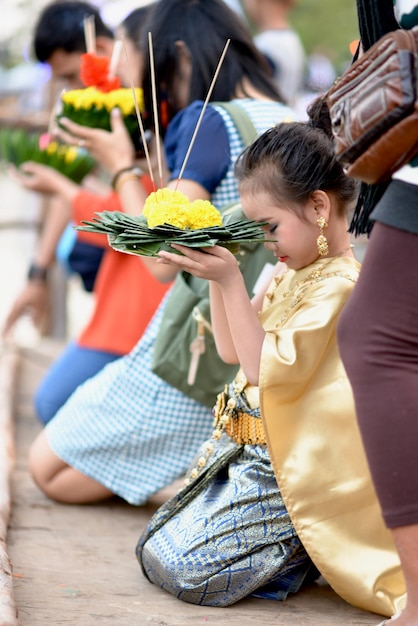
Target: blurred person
(59, 39)
(280, 43)
(125, 293)
(320, 75)
(59, 42)
(378, 332)
(127, 431)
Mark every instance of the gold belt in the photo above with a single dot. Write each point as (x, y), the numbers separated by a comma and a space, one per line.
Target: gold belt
(242, 427)
(246, 428)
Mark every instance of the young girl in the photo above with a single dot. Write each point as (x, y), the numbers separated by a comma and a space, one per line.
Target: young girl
(241, 526)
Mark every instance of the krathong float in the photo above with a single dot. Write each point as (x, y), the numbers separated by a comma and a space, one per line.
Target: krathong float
(18, 146)
(169, 217)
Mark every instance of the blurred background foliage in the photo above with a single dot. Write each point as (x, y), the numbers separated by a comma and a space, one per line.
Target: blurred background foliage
(328, 27)
(325, 26)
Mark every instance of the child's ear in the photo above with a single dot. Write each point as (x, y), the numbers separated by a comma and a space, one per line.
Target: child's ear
(322, 205)
(183, 51)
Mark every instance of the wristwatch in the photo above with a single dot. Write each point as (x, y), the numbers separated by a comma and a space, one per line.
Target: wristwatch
(36, 272)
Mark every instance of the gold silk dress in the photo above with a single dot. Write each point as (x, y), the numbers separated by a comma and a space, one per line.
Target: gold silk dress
(315, 447)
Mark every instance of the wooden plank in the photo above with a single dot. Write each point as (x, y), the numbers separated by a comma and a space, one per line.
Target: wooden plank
(8, 368)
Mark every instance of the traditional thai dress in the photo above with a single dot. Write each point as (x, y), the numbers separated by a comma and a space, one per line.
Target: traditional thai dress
(243, 526)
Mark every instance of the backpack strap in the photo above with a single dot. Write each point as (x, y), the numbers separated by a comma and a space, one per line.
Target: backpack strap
(243, 122)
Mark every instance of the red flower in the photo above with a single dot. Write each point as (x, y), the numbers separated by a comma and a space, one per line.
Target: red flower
(94, 72)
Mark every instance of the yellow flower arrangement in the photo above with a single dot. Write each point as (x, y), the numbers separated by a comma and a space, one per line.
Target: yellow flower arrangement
(91, 107)
(91, 98)
(67, 153)
(166, 206)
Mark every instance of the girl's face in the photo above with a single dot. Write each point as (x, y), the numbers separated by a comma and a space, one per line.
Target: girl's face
(135, 61)
(295, 238)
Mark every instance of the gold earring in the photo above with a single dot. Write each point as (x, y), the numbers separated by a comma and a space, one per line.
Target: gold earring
(322, 242)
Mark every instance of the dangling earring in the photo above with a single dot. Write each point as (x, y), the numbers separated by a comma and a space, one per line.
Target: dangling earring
(322, 242)
(164, 113)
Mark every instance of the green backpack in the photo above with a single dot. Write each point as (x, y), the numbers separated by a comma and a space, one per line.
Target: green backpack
(185, 354)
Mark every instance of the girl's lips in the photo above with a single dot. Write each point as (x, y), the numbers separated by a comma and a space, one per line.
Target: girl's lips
(283, 259)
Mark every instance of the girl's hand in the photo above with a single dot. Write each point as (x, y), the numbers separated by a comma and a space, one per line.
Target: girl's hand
(216, 264)
(43, 179)
(113, 149)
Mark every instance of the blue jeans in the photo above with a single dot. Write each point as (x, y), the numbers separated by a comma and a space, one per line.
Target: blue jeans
(71, 369)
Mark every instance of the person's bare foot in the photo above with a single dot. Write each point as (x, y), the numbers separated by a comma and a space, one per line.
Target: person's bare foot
(400, 619)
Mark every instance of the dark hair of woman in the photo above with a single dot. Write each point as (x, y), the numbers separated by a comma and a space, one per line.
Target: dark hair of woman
(204, 26)
(60, 26)
(375, 19)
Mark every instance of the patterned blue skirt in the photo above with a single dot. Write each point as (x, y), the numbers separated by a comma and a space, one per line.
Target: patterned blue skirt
(227, 534)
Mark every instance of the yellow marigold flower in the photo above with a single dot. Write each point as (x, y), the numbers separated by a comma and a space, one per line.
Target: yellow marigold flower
(83, 98)
(203, 214)
(91, 97)
(166, 206)
(70, 154)
(52, 148)
(174, 215)
(165, 196)
(123, 98)
(174, 207)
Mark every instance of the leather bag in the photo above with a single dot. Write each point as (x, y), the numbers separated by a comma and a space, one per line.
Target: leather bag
(374, 109)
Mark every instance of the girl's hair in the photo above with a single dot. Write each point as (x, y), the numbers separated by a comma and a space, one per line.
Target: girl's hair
(204, 26)
(60, 26)
(292, 160)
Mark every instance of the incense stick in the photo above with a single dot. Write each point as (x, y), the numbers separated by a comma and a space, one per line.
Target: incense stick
(56, 108)
(90, 33)
(117, 49)
(138, 115)
(155, 110)
(203, 111)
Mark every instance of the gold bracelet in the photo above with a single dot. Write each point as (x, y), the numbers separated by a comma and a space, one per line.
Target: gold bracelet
(125, 170)
(124, 178)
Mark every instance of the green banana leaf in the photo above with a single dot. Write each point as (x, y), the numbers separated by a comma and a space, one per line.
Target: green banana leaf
(132, 235)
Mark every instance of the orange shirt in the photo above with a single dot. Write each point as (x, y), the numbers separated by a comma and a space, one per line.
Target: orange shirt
(126, 294)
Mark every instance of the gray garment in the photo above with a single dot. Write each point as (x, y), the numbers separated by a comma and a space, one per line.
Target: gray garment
(398, 207)
(284, 49)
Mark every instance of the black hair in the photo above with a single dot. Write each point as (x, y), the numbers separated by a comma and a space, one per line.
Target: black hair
(60, 26)
(292, 160)
(134, 22)
(204, 26)
(375, 19)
